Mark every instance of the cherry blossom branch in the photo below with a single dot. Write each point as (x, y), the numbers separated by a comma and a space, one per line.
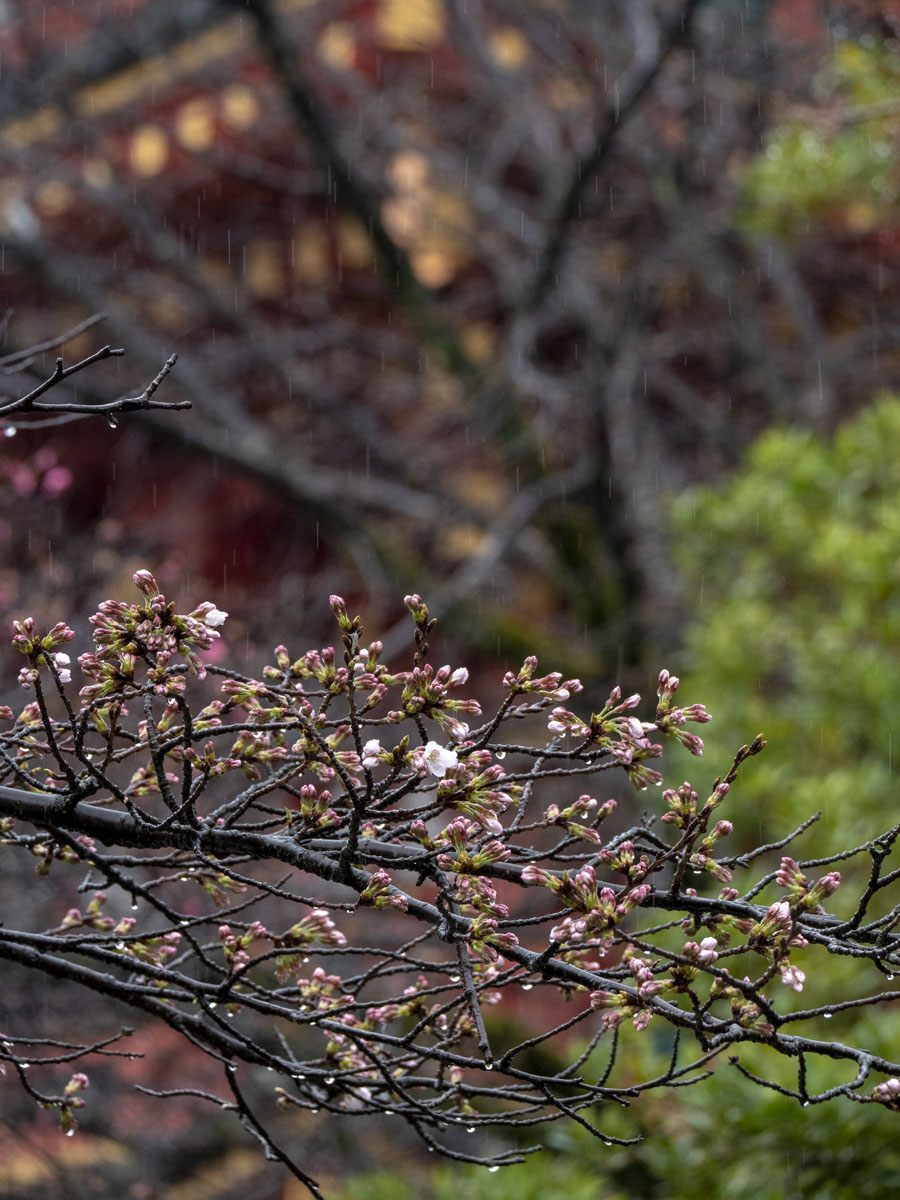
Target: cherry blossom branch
(31, 403)
(418, 825)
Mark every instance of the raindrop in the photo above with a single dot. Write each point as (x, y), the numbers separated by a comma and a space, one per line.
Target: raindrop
(10, 431)
(889, 978)
(805, 1104)
(212, 1004)
(112, 421)
(526, 987)
(470, 1129)
(184, 923)
(306, 959)
(134, 906)
(454, 979)
(500, 754)
(388, 1112)
(489, 1066)
(828, 1016)
(70, 1133)
(330, 1079)
(24, 1066)
(313, 1110)
(493, 1169)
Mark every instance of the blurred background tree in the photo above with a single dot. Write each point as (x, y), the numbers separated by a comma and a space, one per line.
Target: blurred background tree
(464, 294)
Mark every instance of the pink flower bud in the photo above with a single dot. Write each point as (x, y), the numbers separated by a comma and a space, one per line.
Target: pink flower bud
(146, 583)
(533, 874)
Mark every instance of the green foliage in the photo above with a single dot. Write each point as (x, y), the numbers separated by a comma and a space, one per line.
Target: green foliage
(540, 1177)
(725, 1139)
(794, 569)
(838, 166)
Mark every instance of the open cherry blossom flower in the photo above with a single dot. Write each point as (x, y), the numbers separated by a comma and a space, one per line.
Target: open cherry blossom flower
(438, 759)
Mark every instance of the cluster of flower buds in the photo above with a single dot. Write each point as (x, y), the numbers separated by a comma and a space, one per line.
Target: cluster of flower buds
(251, 748)
(584, 806)
(39, 651)
(155, 950)
(27, 642)
(316, 929)
(458, 834)
(93, 917)
(207, 761)
(485, 941)
(791, 976)
(803, 896)
(363, 670)
(315, 810)
(469, 787)
(46, 852)
(776, 926)
(549, 687)
(623, 860)
(747, 1012)
(888, 1093)
(236, 946)
(125, 633)
(415, 1005)
(603, 909)
(623, 737)
(474, 893)
(701, 858)
(379, 894)
(615, 1007)
(220, 888)
(322, 990)
(683, 804)
(671, 720)
(425, 694)
(71, 1101)
(145, 781)
(705, 953)
(418, 609)
(695, 957)
(612, 1006)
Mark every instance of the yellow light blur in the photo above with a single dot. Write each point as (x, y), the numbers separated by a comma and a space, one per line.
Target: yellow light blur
(240, 107)
(97, 172)
(149, 150)
(337, 45)
(53, 197)
(410, 24)
(195, 124)
(265, 268)
(508, 48)
(312, 254)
